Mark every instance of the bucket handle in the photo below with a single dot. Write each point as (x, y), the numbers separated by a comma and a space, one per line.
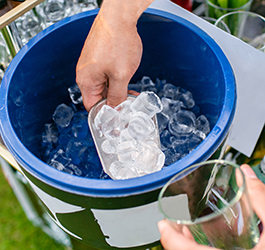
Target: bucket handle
(6, 155)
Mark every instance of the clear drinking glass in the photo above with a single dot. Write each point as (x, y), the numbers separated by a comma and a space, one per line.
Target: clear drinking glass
(217, 8)
(84, 5)
(211, 199)
(53, 11)
(209, 19)
(247, 26)
(5, 56)
(28, 26)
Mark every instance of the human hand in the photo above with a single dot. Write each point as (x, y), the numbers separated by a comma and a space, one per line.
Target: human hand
(177, 237)
(112, 52)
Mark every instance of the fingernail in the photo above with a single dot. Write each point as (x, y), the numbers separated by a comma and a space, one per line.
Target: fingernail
(248, 171)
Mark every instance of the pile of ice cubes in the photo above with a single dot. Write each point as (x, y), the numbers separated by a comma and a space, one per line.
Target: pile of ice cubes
(181, 126)
(68, 145)
(129, 145)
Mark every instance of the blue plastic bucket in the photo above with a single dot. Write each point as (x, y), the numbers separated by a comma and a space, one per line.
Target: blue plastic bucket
(106, 213)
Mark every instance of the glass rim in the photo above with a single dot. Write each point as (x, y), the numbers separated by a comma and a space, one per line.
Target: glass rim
(210, 216)
(252, 14)
(238, 12)
(208, 18)
(229, 9)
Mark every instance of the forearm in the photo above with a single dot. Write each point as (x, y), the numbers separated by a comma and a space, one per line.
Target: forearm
(126, 10)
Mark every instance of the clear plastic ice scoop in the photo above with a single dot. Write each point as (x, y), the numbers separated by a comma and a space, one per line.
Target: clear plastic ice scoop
(127, 136)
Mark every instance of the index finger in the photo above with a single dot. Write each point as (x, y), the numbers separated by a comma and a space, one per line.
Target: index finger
(117, 92)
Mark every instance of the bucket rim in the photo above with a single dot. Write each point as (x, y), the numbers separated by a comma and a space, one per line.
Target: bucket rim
(35, 167)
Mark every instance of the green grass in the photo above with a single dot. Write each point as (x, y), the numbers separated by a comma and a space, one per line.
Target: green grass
(16, 231)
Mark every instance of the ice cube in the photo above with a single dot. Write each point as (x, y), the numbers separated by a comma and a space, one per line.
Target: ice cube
(203, 124)
(140, 126)
(46, 151)
(193, 141)
(74, 169)
(151, 141)
(124, 107)
(200, 134)
(126, 150)
(159, 84)
(150, 89)
(180, 146)
(150, 158)
(146, 81)
(64, 130)
(75, 94)
(59, 166)
(196, 110)
(109, 146)
(171, 156)
(51, 133)
(80, 125)
(90, 164)
(169, 91)
(178, 140)
(182, 123)
(107, 121)
(185, 97)
(75, 149)
(63, 115)
(125, 113)
(153, 138)
(59, 156)
(170, 106)
(148, 103)
(125, 136)
(123, 170)
(148, 85)
(162, 121)
(103, 176)
(165, 139)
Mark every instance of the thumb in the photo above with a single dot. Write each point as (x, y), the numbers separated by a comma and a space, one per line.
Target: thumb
(256, 190)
